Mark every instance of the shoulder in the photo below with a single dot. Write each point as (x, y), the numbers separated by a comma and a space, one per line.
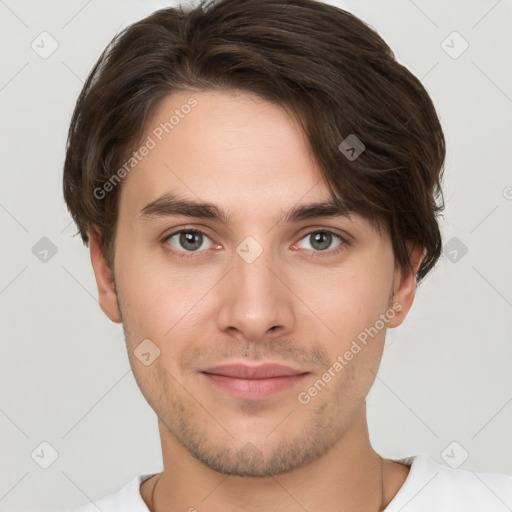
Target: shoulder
(433, 486)
(126, 499)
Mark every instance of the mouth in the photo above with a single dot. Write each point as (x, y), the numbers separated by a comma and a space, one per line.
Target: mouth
(253, 382)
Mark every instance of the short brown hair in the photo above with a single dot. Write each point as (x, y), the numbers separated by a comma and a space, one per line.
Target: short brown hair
(324, 65)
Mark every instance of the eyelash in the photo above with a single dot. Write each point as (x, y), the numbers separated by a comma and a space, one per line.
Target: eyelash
(314, 254)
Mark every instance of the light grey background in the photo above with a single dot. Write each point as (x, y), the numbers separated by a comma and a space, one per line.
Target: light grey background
(64, 372)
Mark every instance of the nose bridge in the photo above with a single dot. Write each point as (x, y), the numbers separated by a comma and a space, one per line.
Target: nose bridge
(253, 279)
(254, 299)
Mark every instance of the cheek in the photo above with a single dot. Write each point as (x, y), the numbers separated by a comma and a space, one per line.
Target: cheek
(154, 297)
(166, 308)
(347, 300)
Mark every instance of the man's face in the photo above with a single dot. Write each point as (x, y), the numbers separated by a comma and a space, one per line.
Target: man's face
(297, 293)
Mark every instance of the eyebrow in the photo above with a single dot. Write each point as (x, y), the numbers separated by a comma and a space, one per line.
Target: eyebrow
(171, 204)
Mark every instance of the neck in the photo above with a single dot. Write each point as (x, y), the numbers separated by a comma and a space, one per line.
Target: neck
(349, 476)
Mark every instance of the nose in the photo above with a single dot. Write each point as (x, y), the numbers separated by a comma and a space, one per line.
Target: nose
(255, 301)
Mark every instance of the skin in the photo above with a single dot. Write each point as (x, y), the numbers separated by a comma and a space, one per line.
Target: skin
(295, 304)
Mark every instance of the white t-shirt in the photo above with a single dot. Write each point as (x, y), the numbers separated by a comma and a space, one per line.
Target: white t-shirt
(429, 487)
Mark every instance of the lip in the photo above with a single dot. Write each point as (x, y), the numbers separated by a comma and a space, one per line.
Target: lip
(261, 371)
(253, 382)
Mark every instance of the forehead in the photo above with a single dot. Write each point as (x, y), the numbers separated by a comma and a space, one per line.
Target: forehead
(230, 146)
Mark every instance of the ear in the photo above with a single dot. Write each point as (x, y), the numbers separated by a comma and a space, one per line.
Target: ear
(404, 285)
(106, 288)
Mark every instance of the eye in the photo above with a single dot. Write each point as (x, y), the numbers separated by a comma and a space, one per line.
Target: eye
(190, 240)
(322, 240)
(186, 243)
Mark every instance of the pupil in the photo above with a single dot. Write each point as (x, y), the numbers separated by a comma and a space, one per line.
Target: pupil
(318, 237)
(190, 238)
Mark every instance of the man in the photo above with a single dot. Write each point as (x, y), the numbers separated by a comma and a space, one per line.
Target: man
(259, 183)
